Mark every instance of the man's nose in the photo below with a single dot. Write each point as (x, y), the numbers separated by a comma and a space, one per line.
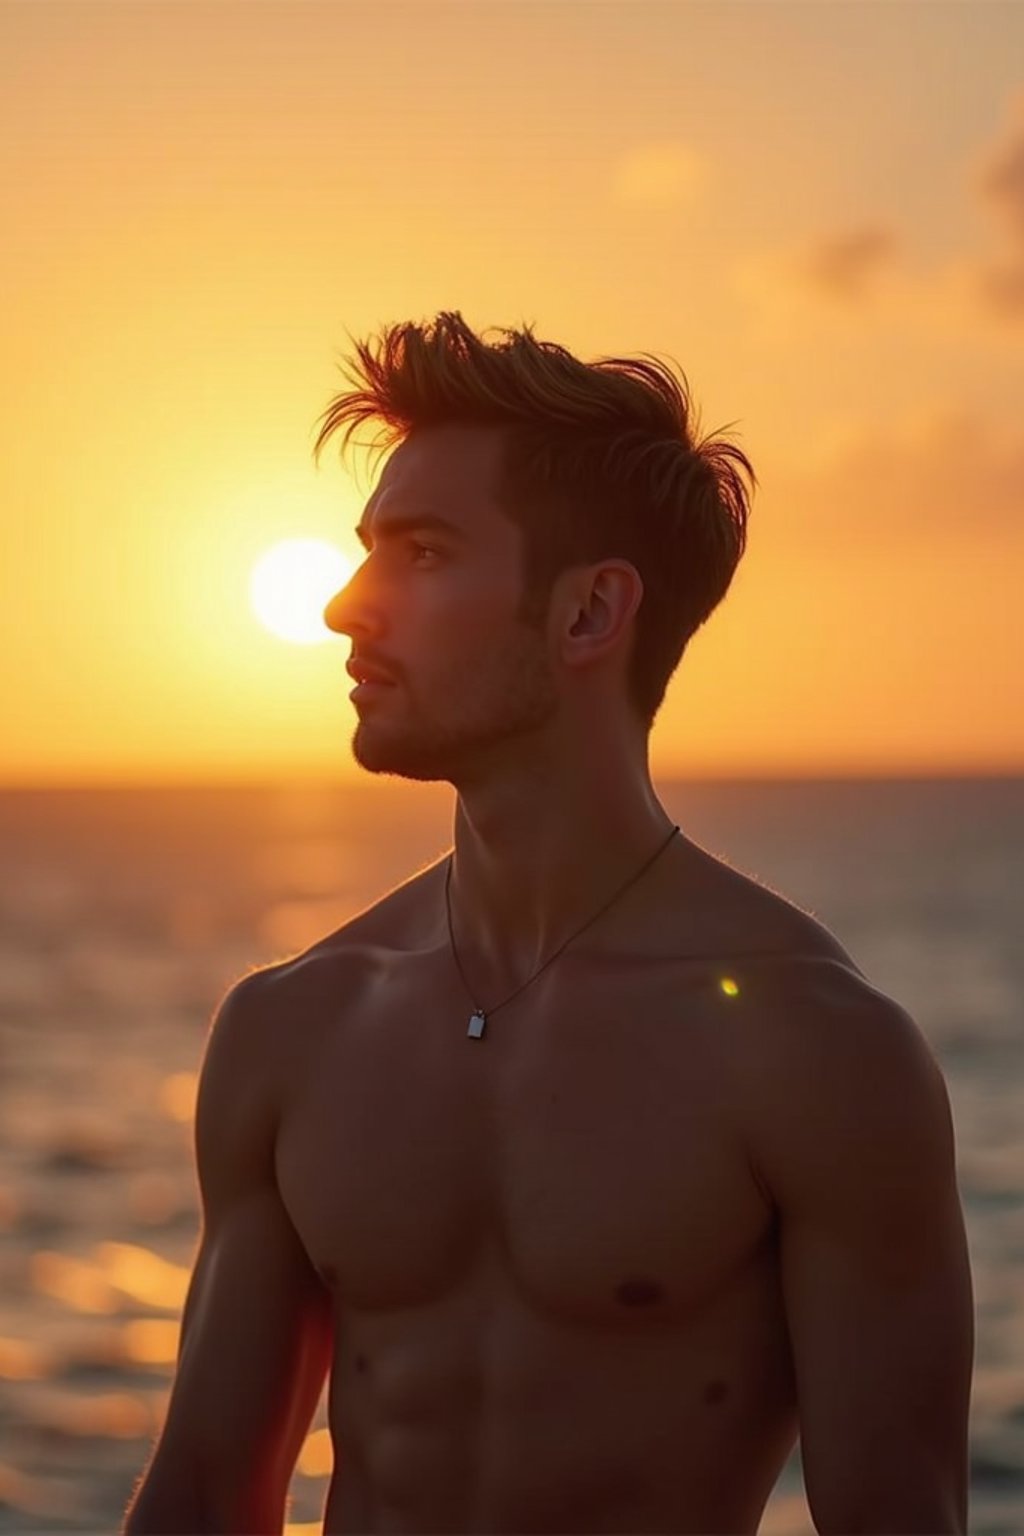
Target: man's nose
(336, 611)
(348, 610)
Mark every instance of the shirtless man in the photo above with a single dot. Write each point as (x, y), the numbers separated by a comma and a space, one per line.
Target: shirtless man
(687, 1189)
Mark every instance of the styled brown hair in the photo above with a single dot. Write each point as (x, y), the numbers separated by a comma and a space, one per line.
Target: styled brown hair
(599, 460)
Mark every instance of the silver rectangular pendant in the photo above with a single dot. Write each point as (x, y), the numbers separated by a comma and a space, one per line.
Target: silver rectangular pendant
(476, 1024)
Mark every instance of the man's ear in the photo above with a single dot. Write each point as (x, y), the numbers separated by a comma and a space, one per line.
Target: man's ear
(607, 602)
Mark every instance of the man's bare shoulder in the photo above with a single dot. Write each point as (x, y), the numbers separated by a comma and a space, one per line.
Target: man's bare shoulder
(741, 916)
(824, 1034)
(395, 922)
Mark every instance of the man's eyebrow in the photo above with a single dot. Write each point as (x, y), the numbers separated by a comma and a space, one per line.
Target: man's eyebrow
(409, 523)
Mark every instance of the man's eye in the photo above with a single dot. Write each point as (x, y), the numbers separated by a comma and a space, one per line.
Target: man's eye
(424, 549)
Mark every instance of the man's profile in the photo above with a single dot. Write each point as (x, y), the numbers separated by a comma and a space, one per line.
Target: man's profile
(588, 1170)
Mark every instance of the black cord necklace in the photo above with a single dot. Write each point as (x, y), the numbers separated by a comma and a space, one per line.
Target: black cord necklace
(478, 1018)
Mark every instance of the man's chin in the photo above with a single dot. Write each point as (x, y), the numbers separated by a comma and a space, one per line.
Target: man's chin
(377, 755)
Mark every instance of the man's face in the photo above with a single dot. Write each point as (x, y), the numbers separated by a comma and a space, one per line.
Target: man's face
(436, 609)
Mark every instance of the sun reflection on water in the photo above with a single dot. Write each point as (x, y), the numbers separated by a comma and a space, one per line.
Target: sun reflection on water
(94, 1286)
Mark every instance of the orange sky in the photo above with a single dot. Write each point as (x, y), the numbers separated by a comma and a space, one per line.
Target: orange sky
(818, 211)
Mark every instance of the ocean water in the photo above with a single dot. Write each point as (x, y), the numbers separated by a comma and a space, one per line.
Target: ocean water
(125, 914)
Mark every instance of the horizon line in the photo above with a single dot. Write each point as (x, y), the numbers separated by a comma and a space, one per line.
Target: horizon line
(324, 780)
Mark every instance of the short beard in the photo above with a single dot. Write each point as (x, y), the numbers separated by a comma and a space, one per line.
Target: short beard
(496, 712)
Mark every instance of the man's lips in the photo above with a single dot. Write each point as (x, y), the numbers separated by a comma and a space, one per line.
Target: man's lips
(363, 691)
(367, 672)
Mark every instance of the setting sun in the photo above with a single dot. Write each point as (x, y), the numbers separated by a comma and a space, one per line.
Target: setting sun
(290, 587)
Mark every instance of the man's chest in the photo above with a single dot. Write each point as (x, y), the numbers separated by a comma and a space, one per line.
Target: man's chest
(592, 1138)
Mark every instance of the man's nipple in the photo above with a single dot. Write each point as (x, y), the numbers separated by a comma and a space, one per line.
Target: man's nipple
(638, 1293)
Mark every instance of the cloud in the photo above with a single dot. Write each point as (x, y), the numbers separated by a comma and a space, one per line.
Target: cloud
(828, 285)
(845, 264)
(867, 270)
(941, 480)
(844, 283)
(1000, 289)
(998, 180)
(998, 183)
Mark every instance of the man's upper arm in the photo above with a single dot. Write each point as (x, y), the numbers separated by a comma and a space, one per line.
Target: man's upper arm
(857, 1148)
(256, 1330)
